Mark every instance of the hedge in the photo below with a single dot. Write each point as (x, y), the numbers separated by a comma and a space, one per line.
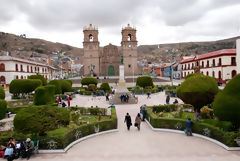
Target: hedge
(89, 80)
(164, 108)
(21, 86)
(39, 120)
(38, 76)
(2, 93)
(198, 127)
(91, 111)
(144, 81)
(64, 136)
(58, 86)
(3, 108)
(105, 86)
(44, 95)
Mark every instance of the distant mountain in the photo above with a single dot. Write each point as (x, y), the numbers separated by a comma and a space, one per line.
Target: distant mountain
(18, 44)
(171, 52)
(159, 53)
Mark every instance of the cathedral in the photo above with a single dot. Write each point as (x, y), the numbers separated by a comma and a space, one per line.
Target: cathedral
(105, 61)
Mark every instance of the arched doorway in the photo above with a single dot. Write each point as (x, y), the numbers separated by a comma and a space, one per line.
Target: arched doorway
(234, 72)
(111, 71)
(2, 80)
(2, 67)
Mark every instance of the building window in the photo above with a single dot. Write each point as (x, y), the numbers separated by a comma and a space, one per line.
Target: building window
(207, 63)
(21, 77)
(213, 62)
(233, 60)
(35, 69)
(219, 62)
(2, 80)
(219, 75)
(38, 69)
(17, 77)
(213, 74)
(197, 63)
(129, 65)
(16, 67)
(202, 64)
(21, 67)
(27, 68)
(207, 73)
(2, 67)
(31, 69)
(188, 66)
(234, 72)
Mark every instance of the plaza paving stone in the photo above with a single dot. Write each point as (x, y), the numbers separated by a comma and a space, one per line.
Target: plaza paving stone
(143, 145)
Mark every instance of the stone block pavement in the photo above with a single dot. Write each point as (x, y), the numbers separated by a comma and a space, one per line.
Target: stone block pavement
(143, 145)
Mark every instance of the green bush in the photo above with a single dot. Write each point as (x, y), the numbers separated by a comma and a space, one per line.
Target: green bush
(226, 104)
(23, 86)
(44, 95)
(144, 81)
(164, 108)
(91, 87)
(39, 120)
(69, 81)
(2, 93)
(38, 76)
(3, 108)
(66, 86)
(217, 133)
(105, 87)
(198, 90)
(90, 80)
(57, 84)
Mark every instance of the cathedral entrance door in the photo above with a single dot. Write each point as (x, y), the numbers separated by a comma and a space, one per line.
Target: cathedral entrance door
(111, 71)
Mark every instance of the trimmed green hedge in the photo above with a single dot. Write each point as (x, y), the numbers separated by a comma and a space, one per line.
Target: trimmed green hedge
(62, 86)
(164, 108)
(198, 127)
(105, 87)
(44, 95)
(21, 86)
(2, 93)
(3, 108)
(58, 86)
(90, 80)
(144, 81)
(38, 76)
(91, 111)
(39, 120)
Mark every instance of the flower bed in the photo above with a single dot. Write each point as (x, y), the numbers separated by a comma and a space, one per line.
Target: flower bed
(226, 137)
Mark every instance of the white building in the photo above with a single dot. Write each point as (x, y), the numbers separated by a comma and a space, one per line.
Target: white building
(238, 55)
(219, 64)
(15, 68)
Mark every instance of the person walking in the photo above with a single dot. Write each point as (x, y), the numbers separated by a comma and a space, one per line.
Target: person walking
(148, 95)
(138, 120)
(188, 129)
(68, 100)
(168, 100)
(128, 121)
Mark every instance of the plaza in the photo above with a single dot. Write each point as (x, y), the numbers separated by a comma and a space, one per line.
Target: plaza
(139, 145)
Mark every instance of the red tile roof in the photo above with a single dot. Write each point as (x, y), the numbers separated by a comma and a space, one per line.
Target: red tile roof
(187, 60)
(217, 53)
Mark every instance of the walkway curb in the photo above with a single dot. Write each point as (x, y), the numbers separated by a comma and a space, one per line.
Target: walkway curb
(75, 142)
(197, 135)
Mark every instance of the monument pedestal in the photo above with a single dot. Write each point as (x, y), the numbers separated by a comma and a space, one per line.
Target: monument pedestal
(122, 90)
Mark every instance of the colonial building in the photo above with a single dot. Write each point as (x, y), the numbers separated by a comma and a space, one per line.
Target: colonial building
(219, 64)
(15, 68)
(105, 61)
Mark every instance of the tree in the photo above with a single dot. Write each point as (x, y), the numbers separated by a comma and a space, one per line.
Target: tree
(226, 104)
(38, 76)
(198, 90)
(90, 80)
(2, 93)
(105, 87)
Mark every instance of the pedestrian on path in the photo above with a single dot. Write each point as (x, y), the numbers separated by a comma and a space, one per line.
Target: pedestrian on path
(188, 130)
(138, 120)
(68, 100)
(128, 121)
(148, 95)
(168, 100)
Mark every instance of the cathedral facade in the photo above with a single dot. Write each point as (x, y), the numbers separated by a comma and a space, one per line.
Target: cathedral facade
(105, 61)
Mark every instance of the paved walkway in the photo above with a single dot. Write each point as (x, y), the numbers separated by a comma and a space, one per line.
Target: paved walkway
(143, 145)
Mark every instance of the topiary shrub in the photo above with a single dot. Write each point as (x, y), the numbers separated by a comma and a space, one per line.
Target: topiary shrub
(144, 81)
(38, 76)
(3, 108)
(44, 95)
(198, 90)
(66, 86)
(226, 104)
(90, 80)
(2, 93)
(23, 86)
(58, 86)
(91, 87)
(69, 81)
(39, 120)
(105, 87)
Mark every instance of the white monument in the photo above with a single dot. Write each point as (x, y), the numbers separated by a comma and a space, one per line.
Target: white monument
(238, 55)
(122, 90)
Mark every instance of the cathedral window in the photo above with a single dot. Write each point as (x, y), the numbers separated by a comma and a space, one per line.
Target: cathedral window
(91, 38)
(129, 37)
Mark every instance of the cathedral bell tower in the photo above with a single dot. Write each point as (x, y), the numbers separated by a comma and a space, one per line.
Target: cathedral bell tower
(129, 50)
(91, 51)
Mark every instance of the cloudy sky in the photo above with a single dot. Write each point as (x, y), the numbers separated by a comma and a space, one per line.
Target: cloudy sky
(157, 21)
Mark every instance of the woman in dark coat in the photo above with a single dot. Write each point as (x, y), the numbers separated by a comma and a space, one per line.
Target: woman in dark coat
(128, 121)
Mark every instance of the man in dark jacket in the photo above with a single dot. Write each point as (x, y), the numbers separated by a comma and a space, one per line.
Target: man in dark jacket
(189, 127)
(128, 121)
